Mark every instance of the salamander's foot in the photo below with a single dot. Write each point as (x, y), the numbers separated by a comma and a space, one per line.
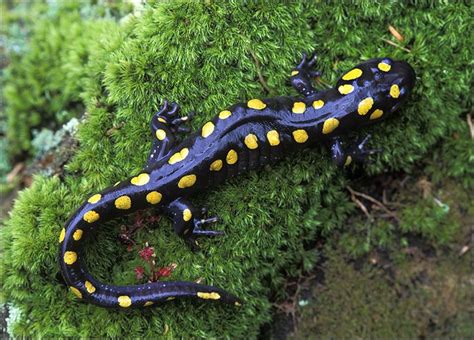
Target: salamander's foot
(169, 116)
(305, 67)
(302, 74)
(358, 153)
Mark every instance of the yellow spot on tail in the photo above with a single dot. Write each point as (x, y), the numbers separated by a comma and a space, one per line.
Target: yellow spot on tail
(187, 181)
(394, 91)
(76, 292)
(300, 136)
(317, 104)
(160, 134)
(207, 129)
(348, 161)
(154, 197)
(62, 235)
(231, 157)
(365, 105)
(211, 296)
(91, 216)
(179, 156)
(187, 215)
(384, 67)
(225, 114)
(216, 165)
(141, 179)
(251, 141)
(94, 198)
(352, 74)
(256, 104)
(294, 72)
(299, 107)
(273, 137)
(90, 288)
(345, 89)
(77, 235)
(330, 125)
(124, 301)
(162, 120)
(376, 114)
(70, 257)
(148, 303)
(123, 202)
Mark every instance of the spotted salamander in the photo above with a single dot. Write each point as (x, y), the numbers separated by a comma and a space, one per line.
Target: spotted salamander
(240, 138)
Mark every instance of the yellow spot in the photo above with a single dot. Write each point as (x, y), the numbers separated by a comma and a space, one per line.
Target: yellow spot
(91, 216)
(154, 197)
(216, 165)
(179, 156)
(124, 301)
(365, 105)
(212, 296)
(95, 198)
(141, 179)
(317, 104)
(231, 157)
(90, 288)
(77, 235)
(62, 235)
(256, 104)
(160, 134)
(352, 74)
(273, 137)
(251, 141)
(394, 91)
(187, 181)
(123, 202)
(162, 120)
(384, 67)
(70, 257)
(299, 107)
(225, 114)
(300, 136)
(345, 89)
(329, 125)
(207, 129)
(76, 292)
(348, 161)
(294, 72)
(376, 114)
(187, 215)
(148, 303)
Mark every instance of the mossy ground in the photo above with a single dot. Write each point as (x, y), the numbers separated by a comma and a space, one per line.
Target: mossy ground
(206, 56)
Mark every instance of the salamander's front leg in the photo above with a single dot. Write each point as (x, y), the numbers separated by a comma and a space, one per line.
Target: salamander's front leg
(354, 153)
(303, 73)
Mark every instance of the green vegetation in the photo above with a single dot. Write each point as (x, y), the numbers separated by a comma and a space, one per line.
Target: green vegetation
(206, 56)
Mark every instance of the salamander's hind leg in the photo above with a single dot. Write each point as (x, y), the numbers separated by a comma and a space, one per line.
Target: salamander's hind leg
(354, 153)
(303, 73)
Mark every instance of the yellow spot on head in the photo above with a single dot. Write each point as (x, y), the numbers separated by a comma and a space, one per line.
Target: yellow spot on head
(348, 161)
(123, 202)
(352, 74)
(345, 89)
(300, 136)
(76, 292)
(212, 296)
(124, 301)
(62, 235)
(256, 104)
(179, 156)
(70, 257)
(376, 114)
(317, 104)
(154, 197)
(216, 165)
(140, 180)
(225, 114)
(231, 157)
(384, 67)
(365, 105)
(95, 198)
(299, 107)
(394, 91)
(77, 235)
(91, 216)
(273, 137)
(90, 288)
(148, 303)
(160, 134)
(251, 141)
(187, 181)
(207, 129)
(187, 215)
(330, 125)
(294, 72)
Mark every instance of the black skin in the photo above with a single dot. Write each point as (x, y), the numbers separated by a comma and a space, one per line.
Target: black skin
(177, 176)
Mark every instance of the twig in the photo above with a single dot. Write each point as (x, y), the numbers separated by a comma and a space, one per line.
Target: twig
(361, 205)
(396, 45)
(373, 200)
(395, 33)
(469, 123)
(260, 76)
